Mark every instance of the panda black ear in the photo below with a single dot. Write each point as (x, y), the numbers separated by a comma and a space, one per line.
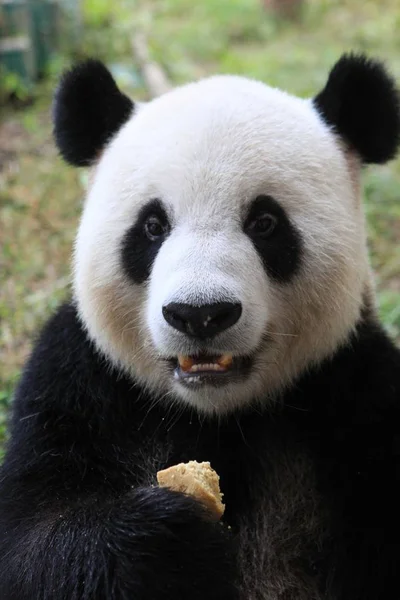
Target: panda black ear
(88, 109)
(361, 102)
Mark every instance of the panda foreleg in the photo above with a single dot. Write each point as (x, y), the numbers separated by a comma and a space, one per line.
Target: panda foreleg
(147, 545)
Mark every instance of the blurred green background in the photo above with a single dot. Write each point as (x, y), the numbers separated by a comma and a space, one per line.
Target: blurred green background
(40, 197)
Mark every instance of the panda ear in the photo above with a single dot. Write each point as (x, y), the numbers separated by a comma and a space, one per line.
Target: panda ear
(88, 109)
(361, 102)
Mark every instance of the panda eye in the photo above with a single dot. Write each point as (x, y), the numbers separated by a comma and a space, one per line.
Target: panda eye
(262, 226)
(155, 227)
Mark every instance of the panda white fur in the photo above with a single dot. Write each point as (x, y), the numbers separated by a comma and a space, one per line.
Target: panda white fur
(223, 310)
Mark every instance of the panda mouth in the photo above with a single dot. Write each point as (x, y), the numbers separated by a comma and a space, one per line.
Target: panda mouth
(208, 369)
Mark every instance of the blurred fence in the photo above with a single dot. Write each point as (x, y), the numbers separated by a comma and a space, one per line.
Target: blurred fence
(30, 31)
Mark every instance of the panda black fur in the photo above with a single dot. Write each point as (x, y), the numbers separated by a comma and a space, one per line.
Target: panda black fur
(309, 459)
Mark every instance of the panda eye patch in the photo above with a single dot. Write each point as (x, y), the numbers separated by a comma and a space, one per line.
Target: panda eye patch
(143, 240)
(156, 227)
(275, 237)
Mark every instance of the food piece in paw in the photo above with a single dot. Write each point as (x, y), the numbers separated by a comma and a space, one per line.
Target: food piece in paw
(198, 480)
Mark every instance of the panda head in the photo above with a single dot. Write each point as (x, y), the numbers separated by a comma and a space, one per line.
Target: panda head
(222, 248)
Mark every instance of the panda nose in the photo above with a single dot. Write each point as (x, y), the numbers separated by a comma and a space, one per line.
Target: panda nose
(204, 321)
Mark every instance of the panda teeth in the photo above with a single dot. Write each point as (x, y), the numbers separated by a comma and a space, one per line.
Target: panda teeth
(225, 361)
(193, 380)
(185, 363)
(206, 367)
(188, 364)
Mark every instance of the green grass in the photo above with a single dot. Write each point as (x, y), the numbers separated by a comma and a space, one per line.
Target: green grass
(40, 197)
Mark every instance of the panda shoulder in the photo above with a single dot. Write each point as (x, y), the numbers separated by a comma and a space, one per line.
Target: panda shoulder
(371, 371)
(65, 371)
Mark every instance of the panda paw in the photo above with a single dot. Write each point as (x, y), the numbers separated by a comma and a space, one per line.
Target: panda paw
(169, 548)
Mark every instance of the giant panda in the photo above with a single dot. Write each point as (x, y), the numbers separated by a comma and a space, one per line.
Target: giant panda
(223, 310)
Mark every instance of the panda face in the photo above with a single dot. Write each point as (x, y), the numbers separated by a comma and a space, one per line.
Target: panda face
(222, 247)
